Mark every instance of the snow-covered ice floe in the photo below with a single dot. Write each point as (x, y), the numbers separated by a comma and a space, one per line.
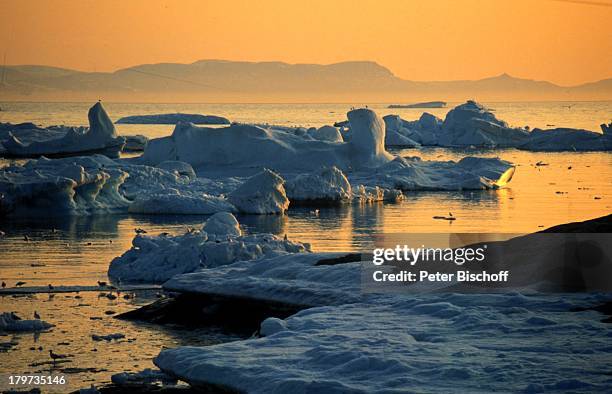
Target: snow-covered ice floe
(155, 259)
(473, 125)
(425, 343)
(173, 119)
(295, 279)
(9, 321)
(100, 137)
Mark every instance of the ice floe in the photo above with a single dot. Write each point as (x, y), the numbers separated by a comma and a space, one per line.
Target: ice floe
(173, 119)
(295, 279)
(9, 321)
(425, 343)
(564, 139)
(101, 137)
(154, 259)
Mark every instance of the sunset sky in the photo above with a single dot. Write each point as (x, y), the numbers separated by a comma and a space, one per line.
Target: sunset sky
(566, 42)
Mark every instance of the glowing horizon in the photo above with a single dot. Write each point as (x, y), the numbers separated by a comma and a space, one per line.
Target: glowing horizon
(564, 42)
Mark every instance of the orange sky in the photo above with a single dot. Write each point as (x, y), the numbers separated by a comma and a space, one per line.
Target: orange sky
(567, 42)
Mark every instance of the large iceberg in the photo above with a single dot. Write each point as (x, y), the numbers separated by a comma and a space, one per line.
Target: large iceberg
(100, 137)
(247, 146)
(363, 159)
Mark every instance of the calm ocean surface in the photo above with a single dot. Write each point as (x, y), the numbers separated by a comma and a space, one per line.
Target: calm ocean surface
(77, 250)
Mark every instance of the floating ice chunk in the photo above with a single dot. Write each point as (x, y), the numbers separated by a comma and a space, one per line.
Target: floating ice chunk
(173, 202)
(329, 185)
(263, 193)
(9, 321)
(108, 337)
(155, 259)
(147, 376)
(563, 139)
(271, 326)
(469, 173)
(221, 224)
(100, 137)
(173, 119)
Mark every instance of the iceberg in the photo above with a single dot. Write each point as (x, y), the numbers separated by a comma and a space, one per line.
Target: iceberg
(101, 137)
(238, 149)
(247, 146)
(473, 125)
(155, 259)
(173, 119)
(95, 184)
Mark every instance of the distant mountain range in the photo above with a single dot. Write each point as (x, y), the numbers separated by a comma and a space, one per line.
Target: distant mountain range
(229, 81)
